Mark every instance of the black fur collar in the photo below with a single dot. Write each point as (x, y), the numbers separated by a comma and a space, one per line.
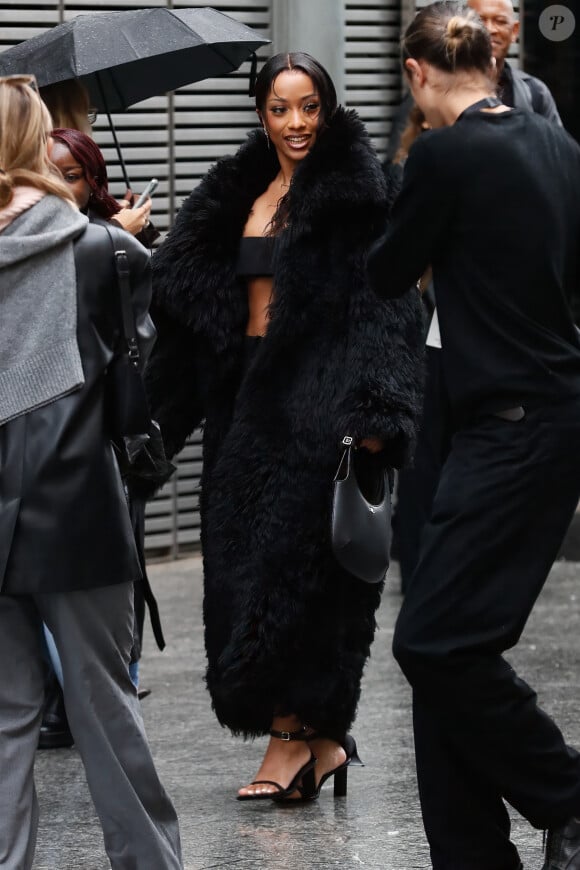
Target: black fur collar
(341, 169)
(337, 197)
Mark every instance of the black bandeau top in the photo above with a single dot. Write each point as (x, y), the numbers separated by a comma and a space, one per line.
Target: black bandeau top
(255, 256)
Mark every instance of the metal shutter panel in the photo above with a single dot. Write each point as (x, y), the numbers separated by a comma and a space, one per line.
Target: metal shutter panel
(373, 79)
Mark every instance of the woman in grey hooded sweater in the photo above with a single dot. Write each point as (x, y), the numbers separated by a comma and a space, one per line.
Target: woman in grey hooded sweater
(67, 551)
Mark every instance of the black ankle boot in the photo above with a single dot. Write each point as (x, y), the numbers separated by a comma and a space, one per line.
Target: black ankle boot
(563, 847)
(54, 730)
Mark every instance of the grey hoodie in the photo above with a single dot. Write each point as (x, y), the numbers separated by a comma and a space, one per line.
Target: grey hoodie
(39, 355)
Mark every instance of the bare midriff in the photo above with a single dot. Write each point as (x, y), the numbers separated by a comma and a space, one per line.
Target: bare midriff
(260, 287)
(259, 297)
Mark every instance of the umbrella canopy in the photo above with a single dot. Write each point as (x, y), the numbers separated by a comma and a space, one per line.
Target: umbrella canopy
(125, 57)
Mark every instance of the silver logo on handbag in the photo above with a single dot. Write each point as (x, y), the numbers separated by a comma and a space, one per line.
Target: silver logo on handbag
(361, 526)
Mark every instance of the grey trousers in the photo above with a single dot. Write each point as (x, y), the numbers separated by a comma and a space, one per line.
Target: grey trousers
(93, 630)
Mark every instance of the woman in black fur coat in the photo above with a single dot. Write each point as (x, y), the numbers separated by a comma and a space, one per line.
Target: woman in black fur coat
(268, 330)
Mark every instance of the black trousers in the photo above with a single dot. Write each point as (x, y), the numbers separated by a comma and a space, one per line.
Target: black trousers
(506, 496)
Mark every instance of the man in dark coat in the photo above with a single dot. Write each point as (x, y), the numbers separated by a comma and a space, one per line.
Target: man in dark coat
(514, 86)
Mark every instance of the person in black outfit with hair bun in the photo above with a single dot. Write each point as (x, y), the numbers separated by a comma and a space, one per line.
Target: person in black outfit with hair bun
(504, 187)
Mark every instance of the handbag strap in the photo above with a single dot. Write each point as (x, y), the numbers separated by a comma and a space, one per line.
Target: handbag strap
(343, 470)
(123, 276)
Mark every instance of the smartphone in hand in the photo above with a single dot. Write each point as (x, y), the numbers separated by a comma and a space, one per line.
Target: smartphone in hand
(149, 190)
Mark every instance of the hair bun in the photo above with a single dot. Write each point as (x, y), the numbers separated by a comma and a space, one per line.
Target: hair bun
(462, 36)
(449, 35)
(6, 188)
(459, 29)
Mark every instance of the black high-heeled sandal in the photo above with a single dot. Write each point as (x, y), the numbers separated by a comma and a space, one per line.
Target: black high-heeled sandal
(339, 773)
(303, 780)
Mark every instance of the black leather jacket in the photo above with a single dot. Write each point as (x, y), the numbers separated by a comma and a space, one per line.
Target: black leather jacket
(64, 521)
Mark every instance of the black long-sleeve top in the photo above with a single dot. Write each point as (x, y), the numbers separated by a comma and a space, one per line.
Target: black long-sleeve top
(492, 203)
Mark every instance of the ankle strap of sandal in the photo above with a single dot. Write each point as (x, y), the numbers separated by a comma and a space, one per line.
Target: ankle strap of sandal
(301, 734)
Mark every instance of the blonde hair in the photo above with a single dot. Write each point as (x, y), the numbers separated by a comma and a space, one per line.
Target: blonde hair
(25, 125)
(450, 36)
(68, 103)
(460, 35)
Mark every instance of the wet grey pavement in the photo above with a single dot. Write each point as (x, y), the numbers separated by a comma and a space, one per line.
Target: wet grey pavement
(377, 826)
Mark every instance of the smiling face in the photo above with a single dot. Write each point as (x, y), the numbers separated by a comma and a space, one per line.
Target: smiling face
(291, 115)
(498, 18)
(73, 173)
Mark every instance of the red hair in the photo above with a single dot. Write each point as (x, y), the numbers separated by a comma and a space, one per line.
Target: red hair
(88, 155)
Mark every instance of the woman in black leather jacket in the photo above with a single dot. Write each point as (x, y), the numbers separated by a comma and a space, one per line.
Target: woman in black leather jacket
(67, 552)
(83, 168)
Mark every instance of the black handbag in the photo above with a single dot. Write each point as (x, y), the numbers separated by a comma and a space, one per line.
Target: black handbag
(135, 436)
(361, 514)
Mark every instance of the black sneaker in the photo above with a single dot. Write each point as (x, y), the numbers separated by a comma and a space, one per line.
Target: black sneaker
(563, 847)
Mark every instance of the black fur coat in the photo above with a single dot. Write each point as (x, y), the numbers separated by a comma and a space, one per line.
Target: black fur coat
(286, 629)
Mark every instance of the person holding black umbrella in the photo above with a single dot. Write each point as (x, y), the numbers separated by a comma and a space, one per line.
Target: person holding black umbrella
(69, 105)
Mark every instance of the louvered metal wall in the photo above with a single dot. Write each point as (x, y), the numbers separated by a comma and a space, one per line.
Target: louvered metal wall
(177, 138)
(373, 79)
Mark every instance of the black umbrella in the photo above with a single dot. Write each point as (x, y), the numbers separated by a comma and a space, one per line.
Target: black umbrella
(125, 57)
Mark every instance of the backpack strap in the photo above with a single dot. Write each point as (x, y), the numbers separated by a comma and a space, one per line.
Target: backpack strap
(127, 315)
